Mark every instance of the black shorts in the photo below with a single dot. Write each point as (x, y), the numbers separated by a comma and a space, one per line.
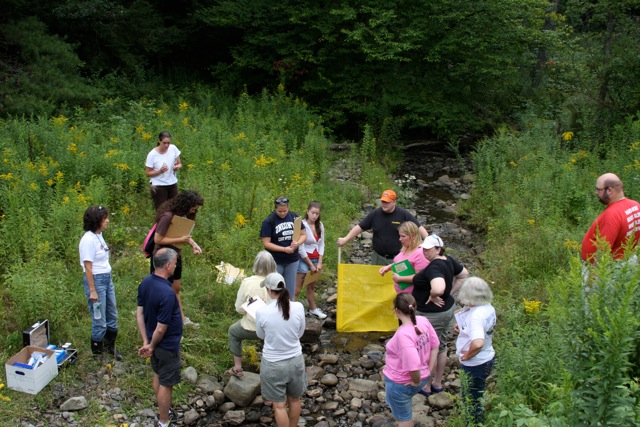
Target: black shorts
(166, 364)
(177, 273)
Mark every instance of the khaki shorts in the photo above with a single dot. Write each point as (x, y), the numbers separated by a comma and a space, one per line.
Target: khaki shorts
(283, 378)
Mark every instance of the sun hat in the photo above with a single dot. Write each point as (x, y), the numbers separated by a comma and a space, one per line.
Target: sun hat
(273, 281)
(388, 196)
(432, 241)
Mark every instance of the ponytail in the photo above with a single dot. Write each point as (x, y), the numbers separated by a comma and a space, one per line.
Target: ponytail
(406, 303)
(283, 302)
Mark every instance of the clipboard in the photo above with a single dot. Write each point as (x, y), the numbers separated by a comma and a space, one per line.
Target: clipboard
(180, 226)
(297, 228)
(312, 277)
(252, 305)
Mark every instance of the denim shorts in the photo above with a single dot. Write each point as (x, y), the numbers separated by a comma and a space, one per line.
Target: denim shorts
(283, 378)
(303, 267)
(166, 364)
(398, 397)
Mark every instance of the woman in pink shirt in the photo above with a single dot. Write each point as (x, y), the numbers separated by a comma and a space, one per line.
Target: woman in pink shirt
(411, 251)
(411, 356)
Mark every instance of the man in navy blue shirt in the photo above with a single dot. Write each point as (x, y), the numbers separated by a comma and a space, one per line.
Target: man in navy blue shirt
(160, 325)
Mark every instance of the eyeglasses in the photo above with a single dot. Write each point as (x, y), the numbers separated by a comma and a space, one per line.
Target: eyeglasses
(281, 201)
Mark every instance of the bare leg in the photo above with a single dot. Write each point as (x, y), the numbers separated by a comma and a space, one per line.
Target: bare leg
(237, 363)
(176, 288)
(295, 408)
(299, 280)
(405, 423)
(280, 414)
(164, 403)
(310, 296)
(439, 371)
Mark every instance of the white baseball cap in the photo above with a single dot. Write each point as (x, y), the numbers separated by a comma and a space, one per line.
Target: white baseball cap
(432, 241)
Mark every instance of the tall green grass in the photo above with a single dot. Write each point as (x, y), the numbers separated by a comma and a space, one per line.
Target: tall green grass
(564, 356)
(239, 153)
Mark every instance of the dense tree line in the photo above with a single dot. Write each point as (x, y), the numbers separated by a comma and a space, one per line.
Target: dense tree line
(449, 68)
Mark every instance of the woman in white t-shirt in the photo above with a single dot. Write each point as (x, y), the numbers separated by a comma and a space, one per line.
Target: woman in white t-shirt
(161, 166)
(474, 345)
(283, 377)
(98, 285)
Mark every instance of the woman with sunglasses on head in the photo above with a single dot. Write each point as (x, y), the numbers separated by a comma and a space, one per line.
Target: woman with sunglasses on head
(277, 237)
(98, 284)
(162, 163)
(410, 360)
(185, 204)
(433, 289)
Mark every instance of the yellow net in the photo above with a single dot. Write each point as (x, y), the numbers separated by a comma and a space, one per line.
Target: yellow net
(365, 299)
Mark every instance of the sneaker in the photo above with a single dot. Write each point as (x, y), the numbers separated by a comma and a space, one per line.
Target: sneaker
(189, 322)
(318, 313)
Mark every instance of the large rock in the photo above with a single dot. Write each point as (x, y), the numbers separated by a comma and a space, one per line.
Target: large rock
(243, 390)
(75, 404)
(209, 385)
(190, 374)
(367, 388)
(234, 418)
(312, 330)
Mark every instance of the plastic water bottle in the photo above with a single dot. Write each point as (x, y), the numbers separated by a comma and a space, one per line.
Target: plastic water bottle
(97, 314)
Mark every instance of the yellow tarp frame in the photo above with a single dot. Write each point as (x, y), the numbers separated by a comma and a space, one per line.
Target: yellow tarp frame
(365, 299)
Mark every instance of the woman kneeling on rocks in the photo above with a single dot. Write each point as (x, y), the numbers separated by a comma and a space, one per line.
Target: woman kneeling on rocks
(282, 372)
(411, 357)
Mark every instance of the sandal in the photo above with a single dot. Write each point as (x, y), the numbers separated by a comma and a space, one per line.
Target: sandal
(234, 372)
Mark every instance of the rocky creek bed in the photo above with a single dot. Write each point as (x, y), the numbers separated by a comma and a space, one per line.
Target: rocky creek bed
(344, 370)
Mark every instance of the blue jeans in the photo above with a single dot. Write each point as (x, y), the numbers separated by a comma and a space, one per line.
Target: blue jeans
(398, 397)
(477, 383)
(107, 297)
(289, 271)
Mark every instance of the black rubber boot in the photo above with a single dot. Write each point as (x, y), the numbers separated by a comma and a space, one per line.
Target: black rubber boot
(97, 348)
(110, 344)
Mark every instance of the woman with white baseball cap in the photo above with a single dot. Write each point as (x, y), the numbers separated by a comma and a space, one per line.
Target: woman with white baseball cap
(283, 377)
(433, 288)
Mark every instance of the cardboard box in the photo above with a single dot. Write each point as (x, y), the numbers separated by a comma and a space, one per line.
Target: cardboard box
(38, 335)
(31, 380)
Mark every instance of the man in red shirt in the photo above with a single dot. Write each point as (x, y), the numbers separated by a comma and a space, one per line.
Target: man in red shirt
(618, 224)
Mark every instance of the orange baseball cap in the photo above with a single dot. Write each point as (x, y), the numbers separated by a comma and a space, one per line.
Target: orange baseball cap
(389, 196)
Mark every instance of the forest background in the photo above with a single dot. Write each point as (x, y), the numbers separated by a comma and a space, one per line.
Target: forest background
(542, 95)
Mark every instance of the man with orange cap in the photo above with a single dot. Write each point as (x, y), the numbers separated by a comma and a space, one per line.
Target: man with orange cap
(384, 222)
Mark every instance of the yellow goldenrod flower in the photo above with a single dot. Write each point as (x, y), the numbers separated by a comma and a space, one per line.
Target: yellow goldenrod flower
(59, 177)
(65, 199)
(240, 137)
(49, 182)
(189, 166)
(115, 139)
(571, 244)
(8, 176)
(225, 166)
(263, 161)
(531, 222)
(185, 122)
(133, 183)
(567, 136)
(183, 106)
(531, 307)
(33, 186)
(110, 154)
(60, 120)
(512, 163)
(139, 128)
(126, 209)
(121, 166)
(240, 220)
(159, 112)
(72, 147)
(146, 136)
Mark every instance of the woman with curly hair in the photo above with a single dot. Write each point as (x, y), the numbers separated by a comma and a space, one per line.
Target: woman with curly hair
(98, 284)
(185, 204)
